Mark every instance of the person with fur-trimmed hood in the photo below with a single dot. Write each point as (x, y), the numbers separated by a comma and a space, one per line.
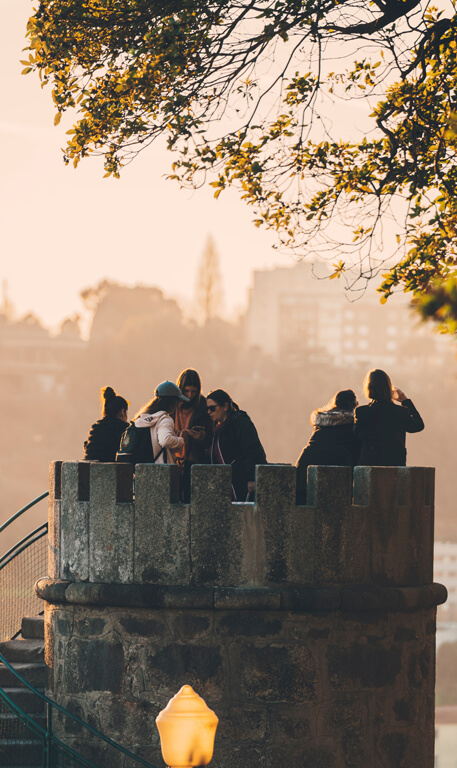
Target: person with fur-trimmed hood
(332, 441)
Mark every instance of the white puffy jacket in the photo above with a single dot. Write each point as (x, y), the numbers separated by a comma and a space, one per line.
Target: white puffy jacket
(163, 435)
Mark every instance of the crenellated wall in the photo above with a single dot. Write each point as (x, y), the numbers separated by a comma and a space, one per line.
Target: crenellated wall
(375, 529)
(310, 629)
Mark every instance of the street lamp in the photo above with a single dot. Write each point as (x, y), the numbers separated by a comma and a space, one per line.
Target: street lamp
(187, 728)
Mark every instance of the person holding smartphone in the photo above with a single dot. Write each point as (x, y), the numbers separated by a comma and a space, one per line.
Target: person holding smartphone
(192, 422)
(380, 428)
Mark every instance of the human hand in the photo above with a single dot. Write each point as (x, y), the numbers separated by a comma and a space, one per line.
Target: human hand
(399, 395)
(198, 433)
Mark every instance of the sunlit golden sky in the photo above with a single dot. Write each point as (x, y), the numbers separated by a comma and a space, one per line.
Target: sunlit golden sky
(64, 229)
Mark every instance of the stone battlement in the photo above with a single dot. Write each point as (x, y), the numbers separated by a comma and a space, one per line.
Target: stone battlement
(372, 526)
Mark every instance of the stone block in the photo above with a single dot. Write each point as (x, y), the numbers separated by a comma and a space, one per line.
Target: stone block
(191, 626)
(218, 538)
(315, 755)
(247, 598)
(285, 542)
(54, 503)
(74, 526)
(161, 551)
(276, 672)
(362, 665)
(341, 552)
(110, 528)
(199, 665)
(378, 488)
(414, 557)
(94, 665)
(243, 724)
(251, 624)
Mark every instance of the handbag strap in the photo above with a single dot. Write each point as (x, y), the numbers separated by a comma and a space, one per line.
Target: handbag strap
(159, 454)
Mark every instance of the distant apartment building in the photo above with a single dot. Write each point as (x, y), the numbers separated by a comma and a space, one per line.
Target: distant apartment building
(291, 312)
(445, 572)
(446, 737)
(31, 359)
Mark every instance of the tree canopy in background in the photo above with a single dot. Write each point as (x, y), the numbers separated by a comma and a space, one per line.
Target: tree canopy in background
(252, 93)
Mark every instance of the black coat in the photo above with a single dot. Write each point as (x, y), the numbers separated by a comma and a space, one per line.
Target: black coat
(332, 442)
(240, 446)
(380, 432)
(103, 439)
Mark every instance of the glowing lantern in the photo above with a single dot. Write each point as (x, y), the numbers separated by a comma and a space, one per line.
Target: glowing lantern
(187, 728)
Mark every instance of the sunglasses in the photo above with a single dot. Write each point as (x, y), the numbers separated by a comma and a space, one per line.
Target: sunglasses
(211, 408)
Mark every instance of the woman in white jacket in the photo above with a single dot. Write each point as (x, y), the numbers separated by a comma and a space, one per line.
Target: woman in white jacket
(157, 417)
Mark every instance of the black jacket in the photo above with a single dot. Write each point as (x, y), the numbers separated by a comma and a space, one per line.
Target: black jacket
(240, 446)
(380, 432)
(103, 439)
(332, 442)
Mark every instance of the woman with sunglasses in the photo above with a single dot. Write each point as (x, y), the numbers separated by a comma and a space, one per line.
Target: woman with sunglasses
(235, 442)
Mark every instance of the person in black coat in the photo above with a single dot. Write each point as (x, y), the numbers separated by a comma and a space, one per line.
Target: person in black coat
(380, 427)
(235, 442)
(192, 422)
(332, 441)
(105, 435)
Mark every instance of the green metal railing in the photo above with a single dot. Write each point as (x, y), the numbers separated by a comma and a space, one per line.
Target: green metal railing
(31, 724)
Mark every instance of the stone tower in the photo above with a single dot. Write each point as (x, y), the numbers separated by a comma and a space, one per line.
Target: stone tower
(309, 630)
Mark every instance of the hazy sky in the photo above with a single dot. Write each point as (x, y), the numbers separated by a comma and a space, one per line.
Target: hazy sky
(64, 229)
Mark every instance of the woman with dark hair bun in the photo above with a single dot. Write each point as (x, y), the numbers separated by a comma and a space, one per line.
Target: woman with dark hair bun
(104, 436)
(381, 427)
(235, 442)
(332, 441)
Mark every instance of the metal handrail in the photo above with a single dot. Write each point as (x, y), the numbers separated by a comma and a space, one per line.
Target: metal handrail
(26, 541)
(24, 509)
(46, 734)
(65, 712)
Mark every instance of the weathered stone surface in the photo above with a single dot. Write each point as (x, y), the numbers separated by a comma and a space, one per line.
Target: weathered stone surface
(250, 624)
(198, 665)
(217, 541)
(55, 493)
(363, 665)
(415, 527)
(111, 529)
(190, 625)
(400, 500)
(242, 599)
(286, 532)
(161, 527)
(74, 527)
(341, 551)
(300, 626)
(278, 673)
(95, 665)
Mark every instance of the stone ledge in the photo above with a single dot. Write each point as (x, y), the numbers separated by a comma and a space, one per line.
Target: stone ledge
(299, 599)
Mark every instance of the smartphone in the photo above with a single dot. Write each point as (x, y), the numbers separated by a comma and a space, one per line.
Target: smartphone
(198, 428)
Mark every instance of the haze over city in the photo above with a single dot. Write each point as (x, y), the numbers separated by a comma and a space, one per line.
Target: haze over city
(125, 256)
(64, 229)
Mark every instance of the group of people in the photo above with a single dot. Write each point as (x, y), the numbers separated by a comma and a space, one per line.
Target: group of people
(186, 428)
(368, 435)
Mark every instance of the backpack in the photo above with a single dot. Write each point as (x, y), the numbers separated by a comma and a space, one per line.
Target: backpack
(136, 447)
